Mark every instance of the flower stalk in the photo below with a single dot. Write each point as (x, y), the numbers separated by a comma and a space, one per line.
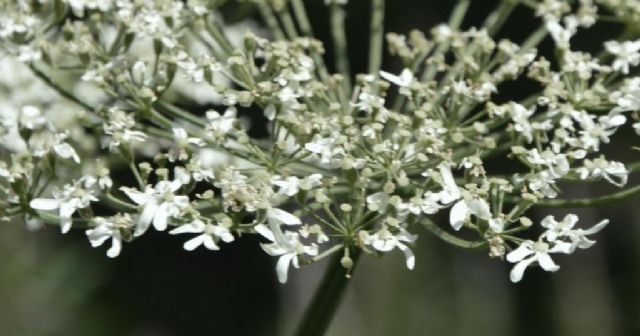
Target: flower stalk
(327, 297)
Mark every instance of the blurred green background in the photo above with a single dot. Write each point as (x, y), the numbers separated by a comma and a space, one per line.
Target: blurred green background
(54, 285)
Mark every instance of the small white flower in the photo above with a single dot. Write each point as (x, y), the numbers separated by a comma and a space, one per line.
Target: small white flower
(291, 185)
(277, 216)
(562, 34)
(565, 229)
(464, 208)
(31, 118)
(159, 204)
(209, 234)
(183, 140)
(220, 125)
(450, 191)
(68, 200)
(529, 252)
(285, 245)
(384, 241)
(109, 228)
(614, 172)
(378, 202)
(404, 80)
(627, 54)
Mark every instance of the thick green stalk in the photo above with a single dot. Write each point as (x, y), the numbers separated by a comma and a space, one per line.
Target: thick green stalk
(377, 37)
(327, 298)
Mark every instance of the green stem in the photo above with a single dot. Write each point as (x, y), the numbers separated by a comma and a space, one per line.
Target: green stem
(55, 86)
(589, 202)
(271, 21)
(377, 36)
(327, 298)
(449, 238)
(340, 44)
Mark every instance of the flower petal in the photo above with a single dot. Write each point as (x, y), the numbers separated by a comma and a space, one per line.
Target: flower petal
(280, 216)
(458, 215)
(282, 267)
(44, 204)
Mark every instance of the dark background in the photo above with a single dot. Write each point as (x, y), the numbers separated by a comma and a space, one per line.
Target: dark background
(53, 285)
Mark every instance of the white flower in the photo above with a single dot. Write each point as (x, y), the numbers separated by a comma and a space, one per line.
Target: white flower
(450, 191)
(464, 208)
(198, 172)
(557, 163)
(404, 80)
(529, 252)
(627, 53)
(120, 127)
(60, 147)
(614, 172)
(520, 116)
(327, 149)
(593, 133)
(384, 241)
(277, 216)
(565, 229)
(183, 140)
(291, 185)
(562, 34)
(159, 204)
(306, 231)
(109, 228)
(68, 200)
(430, 203)
(220, 125)
(31, 117)
(209, 234)
(378, 202)
(543, 182)
(285, 245)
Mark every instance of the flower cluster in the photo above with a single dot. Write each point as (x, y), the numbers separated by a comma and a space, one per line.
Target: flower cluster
(139, 109)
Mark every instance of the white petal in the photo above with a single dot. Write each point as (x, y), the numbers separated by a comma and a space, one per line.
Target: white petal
(273, 249)
(146, 217)
(193, 243)
(65, 224)
(282, 217)
(264, 231)
(458, 215)
(282, 268)
(520, 253)
(139, 197)
(187, 228)
(546, 262)
(270, 112)
(408, 255)
(480, 208)
(562, 247)
(160, 219)
(210, 243)
(116, 246)
(518, 270)
(596, 228)
(44, 204)
(64, 150)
